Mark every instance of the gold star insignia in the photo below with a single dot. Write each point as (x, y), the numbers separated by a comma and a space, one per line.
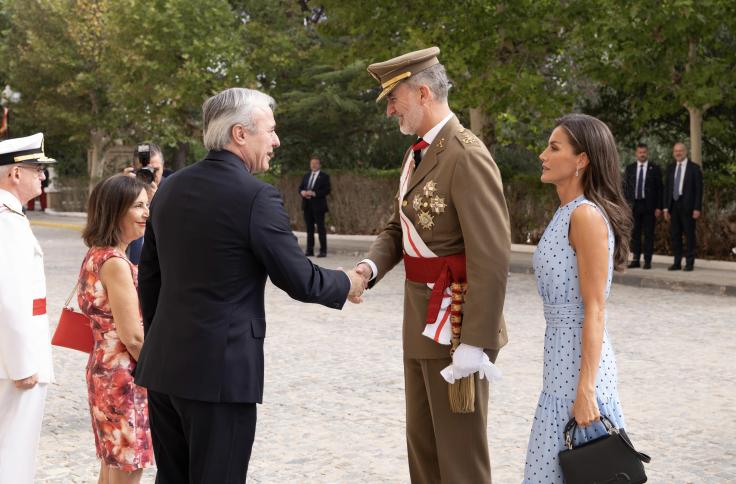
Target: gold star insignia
(429, 188)
(437, 204)
(426, 220)
(417, 202)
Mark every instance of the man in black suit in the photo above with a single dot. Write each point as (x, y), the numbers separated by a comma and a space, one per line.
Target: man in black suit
(214, 234)
(643, 191)
(314, 188)
(683, 200)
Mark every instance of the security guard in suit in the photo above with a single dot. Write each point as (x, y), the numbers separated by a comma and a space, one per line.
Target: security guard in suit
(450, 224)
(25, 349)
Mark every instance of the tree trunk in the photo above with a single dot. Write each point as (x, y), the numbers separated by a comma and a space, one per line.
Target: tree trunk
(96, 157)
(180, 157)
(696, 134)
(482, 126)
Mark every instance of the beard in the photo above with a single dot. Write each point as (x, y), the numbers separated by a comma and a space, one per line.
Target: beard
(412, 119)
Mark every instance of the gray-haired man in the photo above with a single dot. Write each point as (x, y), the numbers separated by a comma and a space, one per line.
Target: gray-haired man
(214, 234)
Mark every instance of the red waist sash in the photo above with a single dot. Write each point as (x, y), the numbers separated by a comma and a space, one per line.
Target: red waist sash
(442, 271)
(39, 307)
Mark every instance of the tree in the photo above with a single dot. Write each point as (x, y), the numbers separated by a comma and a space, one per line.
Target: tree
(505, 57)
(55, 64)
(169, 57)
(662, 57)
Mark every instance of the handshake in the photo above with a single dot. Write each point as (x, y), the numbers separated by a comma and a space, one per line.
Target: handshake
(359, 277)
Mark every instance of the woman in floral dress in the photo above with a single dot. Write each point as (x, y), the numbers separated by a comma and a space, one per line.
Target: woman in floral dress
(116, 215)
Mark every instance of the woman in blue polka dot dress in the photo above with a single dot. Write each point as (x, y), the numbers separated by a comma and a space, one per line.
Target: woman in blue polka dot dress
(573, 264)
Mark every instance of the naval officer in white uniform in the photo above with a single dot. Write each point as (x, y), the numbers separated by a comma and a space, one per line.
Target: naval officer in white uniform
(25, 348)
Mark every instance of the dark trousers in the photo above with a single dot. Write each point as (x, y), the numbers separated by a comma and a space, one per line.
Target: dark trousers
(200, 442)
(644, 221)
(312, 218)
(682, 223)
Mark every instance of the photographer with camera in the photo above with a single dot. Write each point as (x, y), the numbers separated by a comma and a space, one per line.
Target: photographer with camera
(148, 166)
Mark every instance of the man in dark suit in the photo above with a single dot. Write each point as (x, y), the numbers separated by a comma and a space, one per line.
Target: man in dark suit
(314, 188)
(683, 200)
(214, 234)
(643, 191)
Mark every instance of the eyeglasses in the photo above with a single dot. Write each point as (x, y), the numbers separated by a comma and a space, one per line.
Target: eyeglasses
(38, 169)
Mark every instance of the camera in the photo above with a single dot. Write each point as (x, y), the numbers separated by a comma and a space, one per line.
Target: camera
(145, 173)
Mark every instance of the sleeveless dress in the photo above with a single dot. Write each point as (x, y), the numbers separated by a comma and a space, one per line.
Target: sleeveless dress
(556, 270)
(118, 407)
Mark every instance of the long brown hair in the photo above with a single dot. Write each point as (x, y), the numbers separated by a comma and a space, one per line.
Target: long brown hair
(601, 179)
(107, 205)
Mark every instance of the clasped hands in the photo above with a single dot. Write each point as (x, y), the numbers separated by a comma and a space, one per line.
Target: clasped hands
(307, 193)
(359, 277)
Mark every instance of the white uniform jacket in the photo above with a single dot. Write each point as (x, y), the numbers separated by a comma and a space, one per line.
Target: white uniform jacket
(25, 344)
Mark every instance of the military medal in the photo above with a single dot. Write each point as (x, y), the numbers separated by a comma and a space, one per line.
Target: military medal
(426, 220)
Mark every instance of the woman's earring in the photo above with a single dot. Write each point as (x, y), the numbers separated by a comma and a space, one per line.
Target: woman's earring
(577, 171)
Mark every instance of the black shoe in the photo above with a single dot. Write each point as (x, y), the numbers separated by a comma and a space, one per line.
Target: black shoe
(633, 264)
(674, 267)
(321, 254)
(309, 253)
(688, 268)
(647, 265)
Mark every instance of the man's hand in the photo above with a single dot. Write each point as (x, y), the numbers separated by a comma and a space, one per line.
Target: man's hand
(26, 383)
(129, 170)
(357, 286)
(364, 270)
(696, 214)
(666, 215)
(305, 194)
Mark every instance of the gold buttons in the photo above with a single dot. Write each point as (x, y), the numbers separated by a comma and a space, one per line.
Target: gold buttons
(404, 203)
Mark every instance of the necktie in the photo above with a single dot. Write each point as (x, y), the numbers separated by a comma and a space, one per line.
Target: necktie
(313, 179)
(640, 183)
(417, 148)
(676, 188)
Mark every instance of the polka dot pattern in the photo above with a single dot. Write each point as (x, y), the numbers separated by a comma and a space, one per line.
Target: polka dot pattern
(556, 270)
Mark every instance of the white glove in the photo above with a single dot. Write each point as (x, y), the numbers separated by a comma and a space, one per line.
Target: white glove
(467, 360)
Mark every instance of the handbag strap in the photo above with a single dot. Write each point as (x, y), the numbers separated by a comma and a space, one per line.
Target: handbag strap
(572, 425)
(71, 294)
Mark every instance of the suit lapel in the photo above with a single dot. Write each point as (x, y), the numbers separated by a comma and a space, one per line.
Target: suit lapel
(432, 156)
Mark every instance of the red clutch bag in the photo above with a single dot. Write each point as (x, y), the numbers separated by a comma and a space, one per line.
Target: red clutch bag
(74, 330)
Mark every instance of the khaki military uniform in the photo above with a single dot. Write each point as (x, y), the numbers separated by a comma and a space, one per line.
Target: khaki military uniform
(455, 200)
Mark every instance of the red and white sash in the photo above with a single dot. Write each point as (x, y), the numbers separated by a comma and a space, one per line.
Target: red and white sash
(440, 330)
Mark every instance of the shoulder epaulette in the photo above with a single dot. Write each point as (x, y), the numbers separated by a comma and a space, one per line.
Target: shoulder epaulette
(466, 137)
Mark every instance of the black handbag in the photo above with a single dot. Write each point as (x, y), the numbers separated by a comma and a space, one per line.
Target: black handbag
(610, 459)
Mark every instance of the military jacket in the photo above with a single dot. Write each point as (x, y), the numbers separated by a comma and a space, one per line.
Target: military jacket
(455, 200)
(25, 344)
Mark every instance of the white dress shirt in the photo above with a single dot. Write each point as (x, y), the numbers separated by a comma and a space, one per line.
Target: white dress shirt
(682, 165)
(312, 180)
(639, 166)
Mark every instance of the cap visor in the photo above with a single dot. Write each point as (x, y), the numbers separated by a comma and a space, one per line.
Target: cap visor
(385, 92)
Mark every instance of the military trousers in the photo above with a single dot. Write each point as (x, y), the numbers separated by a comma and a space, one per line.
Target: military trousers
(21, 413)
(443, 447)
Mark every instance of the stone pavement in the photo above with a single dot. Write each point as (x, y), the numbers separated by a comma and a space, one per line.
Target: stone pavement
(333, 404)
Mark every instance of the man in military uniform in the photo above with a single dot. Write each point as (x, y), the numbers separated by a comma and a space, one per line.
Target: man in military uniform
(450, 225)
(25, 348)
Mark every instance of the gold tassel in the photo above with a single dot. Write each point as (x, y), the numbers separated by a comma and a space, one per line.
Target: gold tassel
(462, 392)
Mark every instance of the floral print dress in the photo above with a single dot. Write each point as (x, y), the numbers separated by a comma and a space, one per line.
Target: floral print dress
(118, 407)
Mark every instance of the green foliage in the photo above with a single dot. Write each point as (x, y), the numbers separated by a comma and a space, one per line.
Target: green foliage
(128, 70)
